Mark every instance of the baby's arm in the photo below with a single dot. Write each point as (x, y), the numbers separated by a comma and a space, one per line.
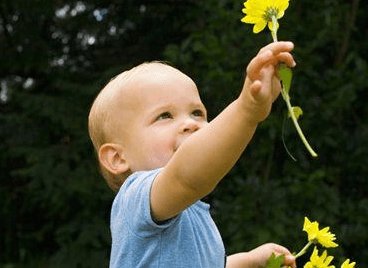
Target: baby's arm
(208, 154)
(258, 257)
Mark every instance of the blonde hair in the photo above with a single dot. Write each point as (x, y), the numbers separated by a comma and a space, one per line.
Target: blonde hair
(101, 118)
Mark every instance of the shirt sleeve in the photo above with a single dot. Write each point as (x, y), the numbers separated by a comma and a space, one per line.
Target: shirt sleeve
(137, 207)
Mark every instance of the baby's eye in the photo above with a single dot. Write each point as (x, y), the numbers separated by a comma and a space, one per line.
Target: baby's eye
(198, 113)
(163, 116)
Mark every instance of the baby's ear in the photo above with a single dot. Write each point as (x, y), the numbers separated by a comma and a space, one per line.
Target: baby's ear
(112, 157)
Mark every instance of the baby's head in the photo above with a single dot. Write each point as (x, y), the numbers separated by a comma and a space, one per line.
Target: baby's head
(141, 117)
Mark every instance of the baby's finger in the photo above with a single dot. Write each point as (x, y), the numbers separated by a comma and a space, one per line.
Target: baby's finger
(276, 88)
(265, 88)
(289, 258)
(257, 63)
(278, 47)
(290, 261)
(286, 58)
(268, 54)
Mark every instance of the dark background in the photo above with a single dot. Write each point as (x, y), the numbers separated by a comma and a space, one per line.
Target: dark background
(56, 55)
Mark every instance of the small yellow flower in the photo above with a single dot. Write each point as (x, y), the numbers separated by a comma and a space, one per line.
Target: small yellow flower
(346, 264)
(324, 237)
(322, 261)
(260, 12)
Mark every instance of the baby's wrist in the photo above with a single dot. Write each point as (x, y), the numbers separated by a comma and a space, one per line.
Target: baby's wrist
(250, 113)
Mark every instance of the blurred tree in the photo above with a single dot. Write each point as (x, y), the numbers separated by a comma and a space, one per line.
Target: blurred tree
(56, 55)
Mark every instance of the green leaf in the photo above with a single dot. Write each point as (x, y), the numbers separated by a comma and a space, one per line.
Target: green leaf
(285, 75)
(297, 111)
(275, 262)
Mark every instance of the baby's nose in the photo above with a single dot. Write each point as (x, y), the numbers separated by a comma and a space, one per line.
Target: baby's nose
(190, 125)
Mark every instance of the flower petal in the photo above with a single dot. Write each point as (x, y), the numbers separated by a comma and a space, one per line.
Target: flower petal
(258, 27)
(280, 14)
(250, 19)
(283, 4)
(346, 264)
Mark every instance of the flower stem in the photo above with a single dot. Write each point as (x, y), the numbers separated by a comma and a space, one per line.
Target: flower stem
(296, 124)
(274, 28)
(286, 97)
(300, 253)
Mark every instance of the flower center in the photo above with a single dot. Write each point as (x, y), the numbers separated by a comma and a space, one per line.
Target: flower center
(270, 12)
(315, 240)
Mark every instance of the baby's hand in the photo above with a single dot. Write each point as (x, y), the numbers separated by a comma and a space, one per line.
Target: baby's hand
(262, 85)
(261, 254)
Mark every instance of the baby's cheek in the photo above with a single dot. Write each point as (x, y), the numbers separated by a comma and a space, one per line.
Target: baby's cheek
(162, 152)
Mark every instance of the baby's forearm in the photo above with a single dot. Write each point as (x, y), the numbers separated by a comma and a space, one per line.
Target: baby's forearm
(207, 155)
(240, 260)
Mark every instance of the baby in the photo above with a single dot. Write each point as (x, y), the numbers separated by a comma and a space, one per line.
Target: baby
(157, 150)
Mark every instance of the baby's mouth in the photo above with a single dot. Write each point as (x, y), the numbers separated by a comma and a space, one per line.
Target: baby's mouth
(179, 143)
(176, 147)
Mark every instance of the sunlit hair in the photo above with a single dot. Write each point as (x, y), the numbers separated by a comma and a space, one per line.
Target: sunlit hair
(101, 120)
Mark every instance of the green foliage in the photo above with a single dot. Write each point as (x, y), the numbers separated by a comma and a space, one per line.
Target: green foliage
(285, 76)
(55, 57)
(275, 262)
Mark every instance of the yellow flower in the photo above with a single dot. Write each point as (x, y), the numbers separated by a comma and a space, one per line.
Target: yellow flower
(324, 237)
(346, 264)
(322, 261)
(260, 12)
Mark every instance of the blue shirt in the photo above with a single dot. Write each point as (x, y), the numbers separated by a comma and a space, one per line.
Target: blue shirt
(190, 240)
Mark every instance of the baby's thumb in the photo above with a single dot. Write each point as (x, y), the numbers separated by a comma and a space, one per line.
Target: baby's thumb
(255, 88)
(290, 261)
(262, 88)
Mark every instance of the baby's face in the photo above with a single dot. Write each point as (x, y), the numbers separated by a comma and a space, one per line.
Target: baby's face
(165, 109)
